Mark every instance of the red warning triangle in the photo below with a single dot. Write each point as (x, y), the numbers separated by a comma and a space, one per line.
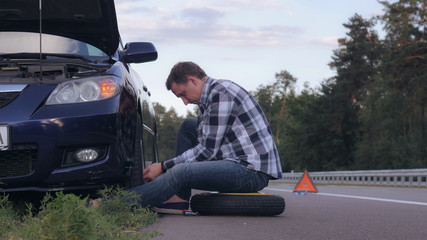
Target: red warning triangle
(305, 184)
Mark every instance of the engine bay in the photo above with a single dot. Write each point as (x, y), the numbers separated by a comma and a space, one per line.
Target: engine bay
(27, 72)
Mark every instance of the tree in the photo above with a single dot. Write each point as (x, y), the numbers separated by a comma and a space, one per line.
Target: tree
(406, 25)
(394, 115)
(355, 61)
(168, 123)
(370, 115)
(264, 95)
(300, 139)
(284, 81)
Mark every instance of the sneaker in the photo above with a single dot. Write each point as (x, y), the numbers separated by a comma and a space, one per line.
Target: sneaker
(172, 208)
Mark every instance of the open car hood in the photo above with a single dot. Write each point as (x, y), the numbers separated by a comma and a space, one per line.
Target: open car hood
(90, 21)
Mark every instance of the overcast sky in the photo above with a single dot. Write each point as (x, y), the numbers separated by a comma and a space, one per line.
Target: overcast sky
(246, 41)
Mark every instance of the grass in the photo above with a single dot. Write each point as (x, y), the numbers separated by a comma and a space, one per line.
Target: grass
(67, 216)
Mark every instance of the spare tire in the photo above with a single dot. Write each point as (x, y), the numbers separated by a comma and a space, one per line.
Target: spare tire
(249, 204)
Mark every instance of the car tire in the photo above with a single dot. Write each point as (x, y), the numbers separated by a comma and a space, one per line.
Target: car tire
(249, 204)
(136, 177)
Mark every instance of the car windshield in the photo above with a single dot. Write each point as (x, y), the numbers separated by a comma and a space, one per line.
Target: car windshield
(26, 42)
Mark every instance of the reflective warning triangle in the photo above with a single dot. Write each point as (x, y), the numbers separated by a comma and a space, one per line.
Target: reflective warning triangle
(305, 184)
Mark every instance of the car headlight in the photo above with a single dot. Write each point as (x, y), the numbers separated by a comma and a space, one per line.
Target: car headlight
(85, 90)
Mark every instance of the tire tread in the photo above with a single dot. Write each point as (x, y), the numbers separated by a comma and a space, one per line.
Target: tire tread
(255, 205)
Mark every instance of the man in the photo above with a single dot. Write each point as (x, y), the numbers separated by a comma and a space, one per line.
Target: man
(229, 148)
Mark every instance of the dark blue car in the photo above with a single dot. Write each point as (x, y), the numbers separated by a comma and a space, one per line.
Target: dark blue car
(73, 113)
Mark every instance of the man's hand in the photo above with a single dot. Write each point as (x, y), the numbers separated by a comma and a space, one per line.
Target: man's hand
(151, 172)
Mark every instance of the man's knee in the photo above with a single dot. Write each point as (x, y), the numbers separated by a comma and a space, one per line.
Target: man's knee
(179, 170)
(187, 135)
(189, 124)
(179, 174)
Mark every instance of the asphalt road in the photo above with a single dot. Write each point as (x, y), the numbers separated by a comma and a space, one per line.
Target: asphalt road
(336, 212)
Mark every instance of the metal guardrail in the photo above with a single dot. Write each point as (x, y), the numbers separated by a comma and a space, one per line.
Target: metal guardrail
(402, 177)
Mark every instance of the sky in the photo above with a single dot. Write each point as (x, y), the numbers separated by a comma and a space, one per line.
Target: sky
(246, 41)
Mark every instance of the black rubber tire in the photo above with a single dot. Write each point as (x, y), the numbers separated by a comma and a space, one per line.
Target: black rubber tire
(255, 204)
(136, 178)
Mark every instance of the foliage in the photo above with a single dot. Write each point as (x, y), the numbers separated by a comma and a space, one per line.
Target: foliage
(168, 123)
(370, 115)
(67, 216)
(8, 217)
(121, 208)
(394, 120)
(299, 135)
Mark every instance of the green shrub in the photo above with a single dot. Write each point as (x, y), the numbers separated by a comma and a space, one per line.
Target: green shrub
(121, 208)
(124, 215)
(8, 218)
(67, 216)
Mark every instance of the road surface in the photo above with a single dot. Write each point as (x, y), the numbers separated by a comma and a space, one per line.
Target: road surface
(336, 212)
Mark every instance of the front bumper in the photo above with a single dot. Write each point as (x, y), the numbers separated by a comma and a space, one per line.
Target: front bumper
(39, 147)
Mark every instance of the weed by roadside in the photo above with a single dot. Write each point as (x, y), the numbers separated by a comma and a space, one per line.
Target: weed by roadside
(8, 217)
(67, 216)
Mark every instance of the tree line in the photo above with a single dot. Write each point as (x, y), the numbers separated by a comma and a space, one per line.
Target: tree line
(370, 115)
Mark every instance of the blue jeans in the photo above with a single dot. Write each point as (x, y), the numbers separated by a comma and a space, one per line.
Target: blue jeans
(219, 175)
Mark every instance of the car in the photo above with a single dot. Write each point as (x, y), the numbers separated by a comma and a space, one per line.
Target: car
(74, 115)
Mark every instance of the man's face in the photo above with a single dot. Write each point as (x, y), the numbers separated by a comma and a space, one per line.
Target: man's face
(189, 92)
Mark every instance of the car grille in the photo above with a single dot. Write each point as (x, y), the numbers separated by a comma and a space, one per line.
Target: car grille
(18, 161)
(7, 97)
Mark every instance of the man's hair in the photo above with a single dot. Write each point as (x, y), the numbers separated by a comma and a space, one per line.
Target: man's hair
(181, 71)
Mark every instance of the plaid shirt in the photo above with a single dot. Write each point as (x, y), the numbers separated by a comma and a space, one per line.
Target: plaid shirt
(232, 126)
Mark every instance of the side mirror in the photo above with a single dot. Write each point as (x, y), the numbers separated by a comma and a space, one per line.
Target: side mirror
(138, 52)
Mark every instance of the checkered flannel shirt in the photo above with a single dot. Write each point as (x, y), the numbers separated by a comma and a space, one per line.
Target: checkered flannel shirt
(232, 126)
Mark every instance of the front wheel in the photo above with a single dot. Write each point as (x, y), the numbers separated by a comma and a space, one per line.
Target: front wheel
(135, 178)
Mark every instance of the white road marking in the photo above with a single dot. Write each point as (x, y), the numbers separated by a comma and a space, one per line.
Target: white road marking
(357, 197)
